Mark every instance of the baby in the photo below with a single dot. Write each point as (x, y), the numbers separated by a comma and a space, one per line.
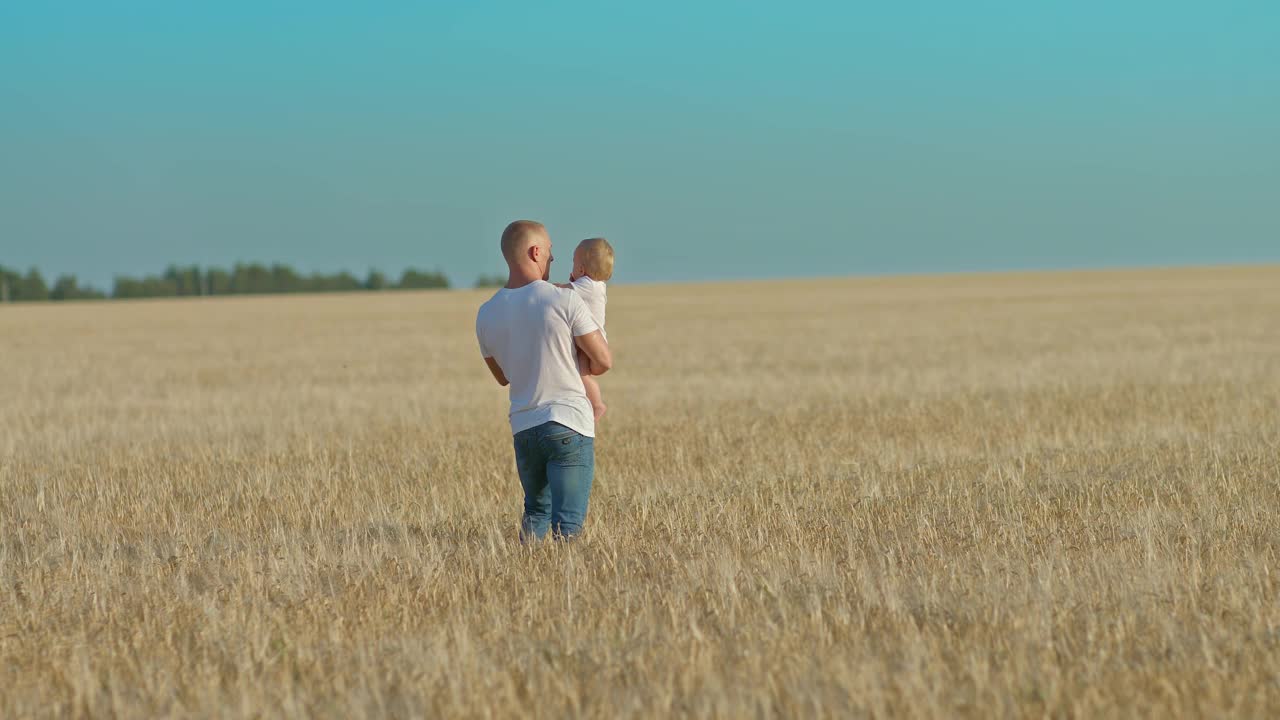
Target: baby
(592, 268)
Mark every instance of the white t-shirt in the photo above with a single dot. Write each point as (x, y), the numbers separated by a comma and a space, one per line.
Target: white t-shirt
(529, 331)
(595, 295)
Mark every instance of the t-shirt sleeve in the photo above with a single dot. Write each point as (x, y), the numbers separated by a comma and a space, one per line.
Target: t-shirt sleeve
(580, 320)
(484, 349)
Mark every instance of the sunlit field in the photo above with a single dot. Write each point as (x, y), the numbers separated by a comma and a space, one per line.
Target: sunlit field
(983, 496)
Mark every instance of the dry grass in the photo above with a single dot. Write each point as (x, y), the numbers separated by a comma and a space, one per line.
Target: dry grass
(1016, 495)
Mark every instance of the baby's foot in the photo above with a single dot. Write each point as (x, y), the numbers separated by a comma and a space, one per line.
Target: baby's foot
(600, 411)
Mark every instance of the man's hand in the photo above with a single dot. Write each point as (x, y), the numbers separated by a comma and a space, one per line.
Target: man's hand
(497, 372)
(597, 351)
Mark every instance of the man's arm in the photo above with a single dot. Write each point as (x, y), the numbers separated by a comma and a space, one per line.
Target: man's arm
(597, 351)
(497, 372)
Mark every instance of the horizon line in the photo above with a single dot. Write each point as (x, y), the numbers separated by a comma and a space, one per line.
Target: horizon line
(1087, 270)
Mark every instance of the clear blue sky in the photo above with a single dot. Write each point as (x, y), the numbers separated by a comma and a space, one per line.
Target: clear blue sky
(708, 140)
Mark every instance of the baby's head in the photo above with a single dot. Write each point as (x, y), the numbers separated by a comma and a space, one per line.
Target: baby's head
(593, 258)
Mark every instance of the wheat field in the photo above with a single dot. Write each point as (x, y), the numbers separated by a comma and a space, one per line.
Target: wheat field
(1007, 495)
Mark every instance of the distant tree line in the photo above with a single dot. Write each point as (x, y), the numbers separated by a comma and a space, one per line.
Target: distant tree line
(487, 281)
(15, 287)
(243, 279)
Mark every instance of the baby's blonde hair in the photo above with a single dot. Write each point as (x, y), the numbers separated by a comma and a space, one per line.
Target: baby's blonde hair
(597, 258)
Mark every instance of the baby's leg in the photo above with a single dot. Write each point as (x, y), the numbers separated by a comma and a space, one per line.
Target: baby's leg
(592, 387)
(593, 394)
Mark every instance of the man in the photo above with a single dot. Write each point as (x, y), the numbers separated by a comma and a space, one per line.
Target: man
(527, 334)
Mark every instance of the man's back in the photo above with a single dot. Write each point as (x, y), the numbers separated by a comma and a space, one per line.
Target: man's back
(529, 331)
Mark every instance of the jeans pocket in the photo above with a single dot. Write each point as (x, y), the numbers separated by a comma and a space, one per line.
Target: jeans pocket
(563, 447)
(561, 436)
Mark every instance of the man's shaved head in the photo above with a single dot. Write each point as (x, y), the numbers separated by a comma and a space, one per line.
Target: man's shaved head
(519, 236)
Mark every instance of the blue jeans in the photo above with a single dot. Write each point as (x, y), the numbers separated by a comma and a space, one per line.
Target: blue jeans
(556, 467)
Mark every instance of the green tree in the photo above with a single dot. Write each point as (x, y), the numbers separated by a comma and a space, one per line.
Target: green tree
(337, 282)
(485, 281)
(157, 286)
(150, 286)
(412, 279)
(126, 287)
(22, 288)
(375, 281)
(186, 281)
(67, 288)
(250, 279)
(285, 280)
(33, 287)
(217, 281)
(190, 280)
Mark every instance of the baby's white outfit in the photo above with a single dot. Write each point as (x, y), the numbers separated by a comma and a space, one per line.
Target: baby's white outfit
(594, 294)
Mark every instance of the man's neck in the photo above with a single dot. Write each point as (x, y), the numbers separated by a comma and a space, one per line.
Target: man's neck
(521, 277)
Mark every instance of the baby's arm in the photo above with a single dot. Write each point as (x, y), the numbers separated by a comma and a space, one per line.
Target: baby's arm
(568, 285)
